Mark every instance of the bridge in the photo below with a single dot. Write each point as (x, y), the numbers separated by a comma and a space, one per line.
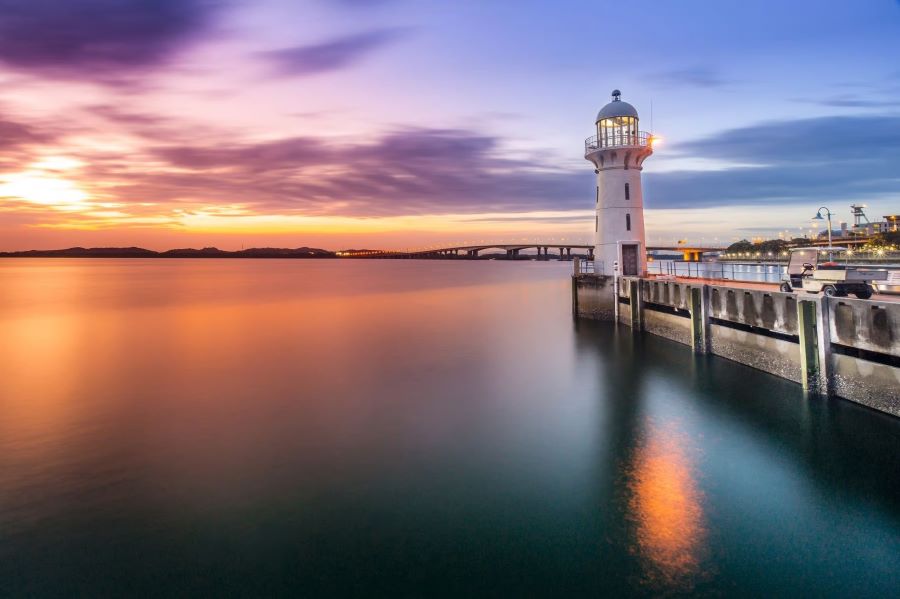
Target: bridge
(513, 250)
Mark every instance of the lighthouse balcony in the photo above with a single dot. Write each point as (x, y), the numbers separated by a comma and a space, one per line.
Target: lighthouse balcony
(617, 140)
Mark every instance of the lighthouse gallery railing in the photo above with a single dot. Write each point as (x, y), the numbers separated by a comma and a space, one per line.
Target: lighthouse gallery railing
(615, 139)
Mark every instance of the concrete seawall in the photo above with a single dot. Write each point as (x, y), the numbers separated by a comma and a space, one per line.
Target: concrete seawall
(845, 347)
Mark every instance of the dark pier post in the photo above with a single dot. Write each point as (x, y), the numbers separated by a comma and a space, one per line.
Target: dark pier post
(823, 338)
(809, 355)
(576, 271)
(617, 291)
(699, 308)
(814, 346)
(634, 292)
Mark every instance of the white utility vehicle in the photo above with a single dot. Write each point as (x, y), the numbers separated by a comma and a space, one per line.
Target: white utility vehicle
(812, 270)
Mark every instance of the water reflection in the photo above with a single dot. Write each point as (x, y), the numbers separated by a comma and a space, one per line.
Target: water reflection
(411, 428)
(665, 507)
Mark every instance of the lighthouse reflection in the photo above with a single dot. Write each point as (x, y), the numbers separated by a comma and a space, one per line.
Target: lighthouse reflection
(659, 510)
(665, 508)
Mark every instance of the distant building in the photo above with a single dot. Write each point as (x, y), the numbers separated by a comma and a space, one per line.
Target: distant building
(864, 227)
(890, 223)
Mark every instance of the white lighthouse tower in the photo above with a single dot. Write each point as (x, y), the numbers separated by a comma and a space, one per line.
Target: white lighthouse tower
(617, 151)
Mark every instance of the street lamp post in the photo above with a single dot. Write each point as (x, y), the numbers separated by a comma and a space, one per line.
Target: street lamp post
(818, 216)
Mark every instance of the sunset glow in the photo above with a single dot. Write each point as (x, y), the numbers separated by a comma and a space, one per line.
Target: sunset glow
(227, 123)
(37, 188)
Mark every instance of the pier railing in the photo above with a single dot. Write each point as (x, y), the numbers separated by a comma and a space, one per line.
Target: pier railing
(751, 273)
(762, 273)
(587, 267)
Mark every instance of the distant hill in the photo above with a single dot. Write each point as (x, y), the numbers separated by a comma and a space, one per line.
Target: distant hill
(133, 252)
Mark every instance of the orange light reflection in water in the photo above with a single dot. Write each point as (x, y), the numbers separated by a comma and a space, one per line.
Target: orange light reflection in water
(665, 507)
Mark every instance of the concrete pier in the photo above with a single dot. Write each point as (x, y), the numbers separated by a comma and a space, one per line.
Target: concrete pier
(837, 346)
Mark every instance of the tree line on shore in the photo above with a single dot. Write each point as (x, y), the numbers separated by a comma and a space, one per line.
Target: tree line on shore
(888, 240)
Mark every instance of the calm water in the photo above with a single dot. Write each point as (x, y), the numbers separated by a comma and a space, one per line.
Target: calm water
(406, 428)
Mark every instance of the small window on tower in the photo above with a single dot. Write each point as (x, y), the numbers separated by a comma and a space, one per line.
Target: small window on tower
(596, 223)
(598, 194)
(627, 192)
(627, 222)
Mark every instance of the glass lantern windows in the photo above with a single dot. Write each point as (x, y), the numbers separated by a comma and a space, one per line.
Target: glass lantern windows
(617, 131)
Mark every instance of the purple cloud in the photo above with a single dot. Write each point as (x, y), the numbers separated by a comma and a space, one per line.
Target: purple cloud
(332, 55)
(808, 160)
(97, 39)
(412, 171)
(852, 101)
(441, 171)
(14, 134)
(434, 171)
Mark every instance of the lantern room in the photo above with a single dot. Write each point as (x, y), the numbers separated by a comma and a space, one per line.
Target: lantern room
(617, 124)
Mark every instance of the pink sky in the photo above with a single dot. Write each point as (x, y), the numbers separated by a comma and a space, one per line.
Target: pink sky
(395, 124)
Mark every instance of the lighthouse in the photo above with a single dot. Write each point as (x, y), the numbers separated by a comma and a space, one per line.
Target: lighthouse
(618, 151)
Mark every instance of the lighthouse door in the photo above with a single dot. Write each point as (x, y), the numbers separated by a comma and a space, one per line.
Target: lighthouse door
(629, 260)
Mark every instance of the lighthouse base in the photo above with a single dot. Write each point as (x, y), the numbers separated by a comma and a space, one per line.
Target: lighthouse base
(593, 297)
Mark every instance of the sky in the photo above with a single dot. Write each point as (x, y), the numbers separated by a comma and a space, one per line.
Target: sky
(402, 124)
